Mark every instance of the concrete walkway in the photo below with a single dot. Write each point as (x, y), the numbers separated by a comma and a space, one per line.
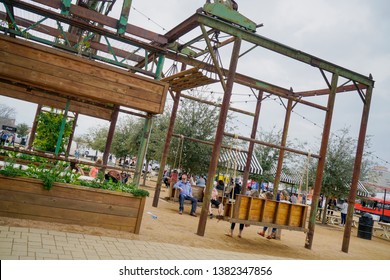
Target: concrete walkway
(21, 243)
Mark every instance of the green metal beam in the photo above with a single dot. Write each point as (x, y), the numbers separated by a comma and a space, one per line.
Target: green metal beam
(213, 56)
(62, 128)
(160, 65)
(65, 6)
(111, 50)
(63, 33)
(11, 16)
(122, 23)
(35, 24)
(283, 49)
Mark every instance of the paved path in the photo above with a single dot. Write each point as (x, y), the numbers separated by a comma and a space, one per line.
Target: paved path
(21, 243)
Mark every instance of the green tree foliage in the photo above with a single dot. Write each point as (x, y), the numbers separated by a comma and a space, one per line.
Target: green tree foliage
(22, 129)
(339, 165)
(96, 138)
(48, 129)
(196, 120)
(126, 138)
(157, 137)
(267, 156)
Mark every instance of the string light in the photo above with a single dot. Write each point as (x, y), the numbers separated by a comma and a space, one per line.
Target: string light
(148, 18)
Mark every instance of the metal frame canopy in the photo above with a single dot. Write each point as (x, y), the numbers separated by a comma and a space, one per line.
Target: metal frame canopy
(91, 33)
(194, 52)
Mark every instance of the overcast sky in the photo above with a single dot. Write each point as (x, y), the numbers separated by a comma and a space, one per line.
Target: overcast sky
(353, 34)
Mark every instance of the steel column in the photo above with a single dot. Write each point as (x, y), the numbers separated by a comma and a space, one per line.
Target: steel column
(252, 144)
(65, 6)
(122, 23)
(321, 162)
(219, 135)
(72, 134)
(62, 127)
(356, 169)
(283, 144)
(160, 65)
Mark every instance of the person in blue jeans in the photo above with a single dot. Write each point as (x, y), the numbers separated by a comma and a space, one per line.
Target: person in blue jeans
(186, 194)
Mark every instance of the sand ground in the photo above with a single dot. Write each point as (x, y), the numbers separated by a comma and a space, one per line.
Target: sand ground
(170, 227)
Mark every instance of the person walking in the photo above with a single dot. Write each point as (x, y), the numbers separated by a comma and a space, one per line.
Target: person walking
(344, 211)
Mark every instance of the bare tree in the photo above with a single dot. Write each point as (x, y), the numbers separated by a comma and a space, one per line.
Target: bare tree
(7, 115)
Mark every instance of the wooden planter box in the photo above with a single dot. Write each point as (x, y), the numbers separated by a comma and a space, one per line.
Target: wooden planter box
(25, 198)
(271, 213)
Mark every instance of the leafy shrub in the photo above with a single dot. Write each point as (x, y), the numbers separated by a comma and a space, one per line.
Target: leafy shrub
(11, 170)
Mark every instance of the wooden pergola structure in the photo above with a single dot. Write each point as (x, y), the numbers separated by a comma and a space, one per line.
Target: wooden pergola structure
(92, 33)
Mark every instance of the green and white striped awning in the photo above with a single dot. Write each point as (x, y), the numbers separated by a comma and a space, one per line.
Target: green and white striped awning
(234, 159)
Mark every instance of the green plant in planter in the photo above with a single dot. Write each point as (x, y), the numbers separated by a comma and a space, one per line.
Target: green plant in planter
(25, 156)
(11, 170)
(57, 173)
(48, 176)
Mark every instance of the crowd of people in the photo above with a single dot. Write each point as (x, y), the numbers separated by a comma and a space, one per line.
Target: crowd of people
(183, 182)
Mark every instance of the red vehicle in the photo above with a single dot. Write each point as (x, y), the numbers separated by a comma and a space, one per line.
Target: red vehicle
(375, 206)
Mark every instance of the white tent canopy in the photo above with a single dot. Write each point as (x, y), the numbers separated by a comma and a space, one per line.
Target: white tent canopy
(290, 177)
(234, 159)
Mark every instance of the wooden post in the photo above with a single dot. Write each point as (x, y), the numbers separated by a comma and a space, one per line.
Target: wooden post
(34, 127)
(283, 144)
(356, 169)
(321, 162)
(219, 135)
(110, 136)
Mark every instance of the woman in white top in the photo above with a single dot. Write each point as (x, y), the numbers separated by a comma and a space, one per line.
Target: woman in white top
(344, 211)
